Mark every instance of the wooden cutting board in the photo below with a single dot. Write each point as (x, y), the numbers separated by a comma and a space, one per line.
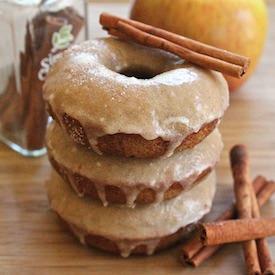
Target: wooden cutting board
(33, 242)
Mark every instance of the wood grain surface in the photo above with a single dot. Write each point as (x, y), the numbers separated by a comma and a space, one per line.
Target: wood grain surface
(33, 242)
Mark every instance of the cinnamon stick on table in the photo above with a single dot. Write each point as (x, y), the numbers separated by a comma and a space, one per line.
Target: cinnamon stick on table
(194, 253)
(262, 246)
(236, 230)
(242, 188)
(194, 245)
(196, 52)
(263, 251)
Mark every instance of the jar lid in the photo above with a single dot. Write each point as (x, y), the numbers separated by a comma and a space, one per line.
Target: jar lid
(24, 2)
(43, 5)
(30, 2)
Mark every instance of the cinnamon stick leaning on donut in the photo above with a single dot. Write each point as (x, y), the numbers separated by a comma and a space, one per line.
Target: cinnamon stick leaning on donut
(196, 52)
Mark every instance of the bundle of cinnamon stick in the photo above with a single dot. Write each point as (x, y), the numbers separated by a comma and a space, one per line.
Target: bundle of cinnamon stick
(204, 55)
(249, 229)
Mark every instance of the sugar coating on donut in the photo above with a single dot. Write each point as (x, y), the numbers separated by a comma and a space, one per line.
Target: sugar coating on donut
(176, 101)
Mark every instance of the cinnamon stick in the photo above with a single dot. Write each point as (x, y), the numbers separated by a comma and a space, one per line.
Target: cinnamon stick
(36, 119)
(203, 254)
(194, 253)
(262, 246)
(265, 257)
(111, 22)
(26, 66)
(239, 230)
(11, 118)
(118, 34)
(196, 52)
(265, 193)
(204, 61)
(8, 95)
(44, 25)
(242, 188)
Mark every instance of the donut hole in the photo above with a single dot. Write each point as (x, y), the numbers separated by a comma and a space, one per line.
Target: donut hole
(138, 72)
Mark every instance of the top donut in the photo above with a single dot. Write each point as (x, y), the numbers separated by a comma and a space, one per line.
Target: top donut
(123, 99)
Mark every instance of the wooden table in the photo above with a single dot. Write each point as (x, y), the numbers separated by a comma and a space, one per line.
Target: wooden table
(32, 241)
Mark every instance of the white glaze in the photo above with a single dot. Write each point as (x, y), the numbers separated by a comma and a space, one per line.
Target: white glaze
(123, 223)
(100, 188)
(125, 247)
(133, 175)
(71, 179)
(78, 233)
(178, 101)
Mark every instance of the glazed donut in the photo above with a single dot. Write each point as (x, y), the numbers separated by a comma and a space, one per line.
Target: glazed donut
(128, 100)
(123, 230)
(130, 181)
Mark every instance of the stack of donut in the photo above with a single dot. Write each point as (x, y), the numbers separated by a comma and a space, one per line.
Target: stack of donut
(133, 143)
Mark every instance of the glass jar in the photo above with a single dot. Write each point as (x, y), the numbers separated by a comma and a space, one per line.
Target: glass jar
(33, 34)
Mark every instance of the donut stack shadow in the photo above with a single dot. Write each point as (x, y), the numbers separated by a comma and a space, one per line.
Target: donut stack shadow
(134, 158)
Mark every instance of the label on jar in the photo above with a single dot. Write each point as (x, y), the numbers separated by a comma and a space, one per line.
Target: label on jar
(61, 40)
